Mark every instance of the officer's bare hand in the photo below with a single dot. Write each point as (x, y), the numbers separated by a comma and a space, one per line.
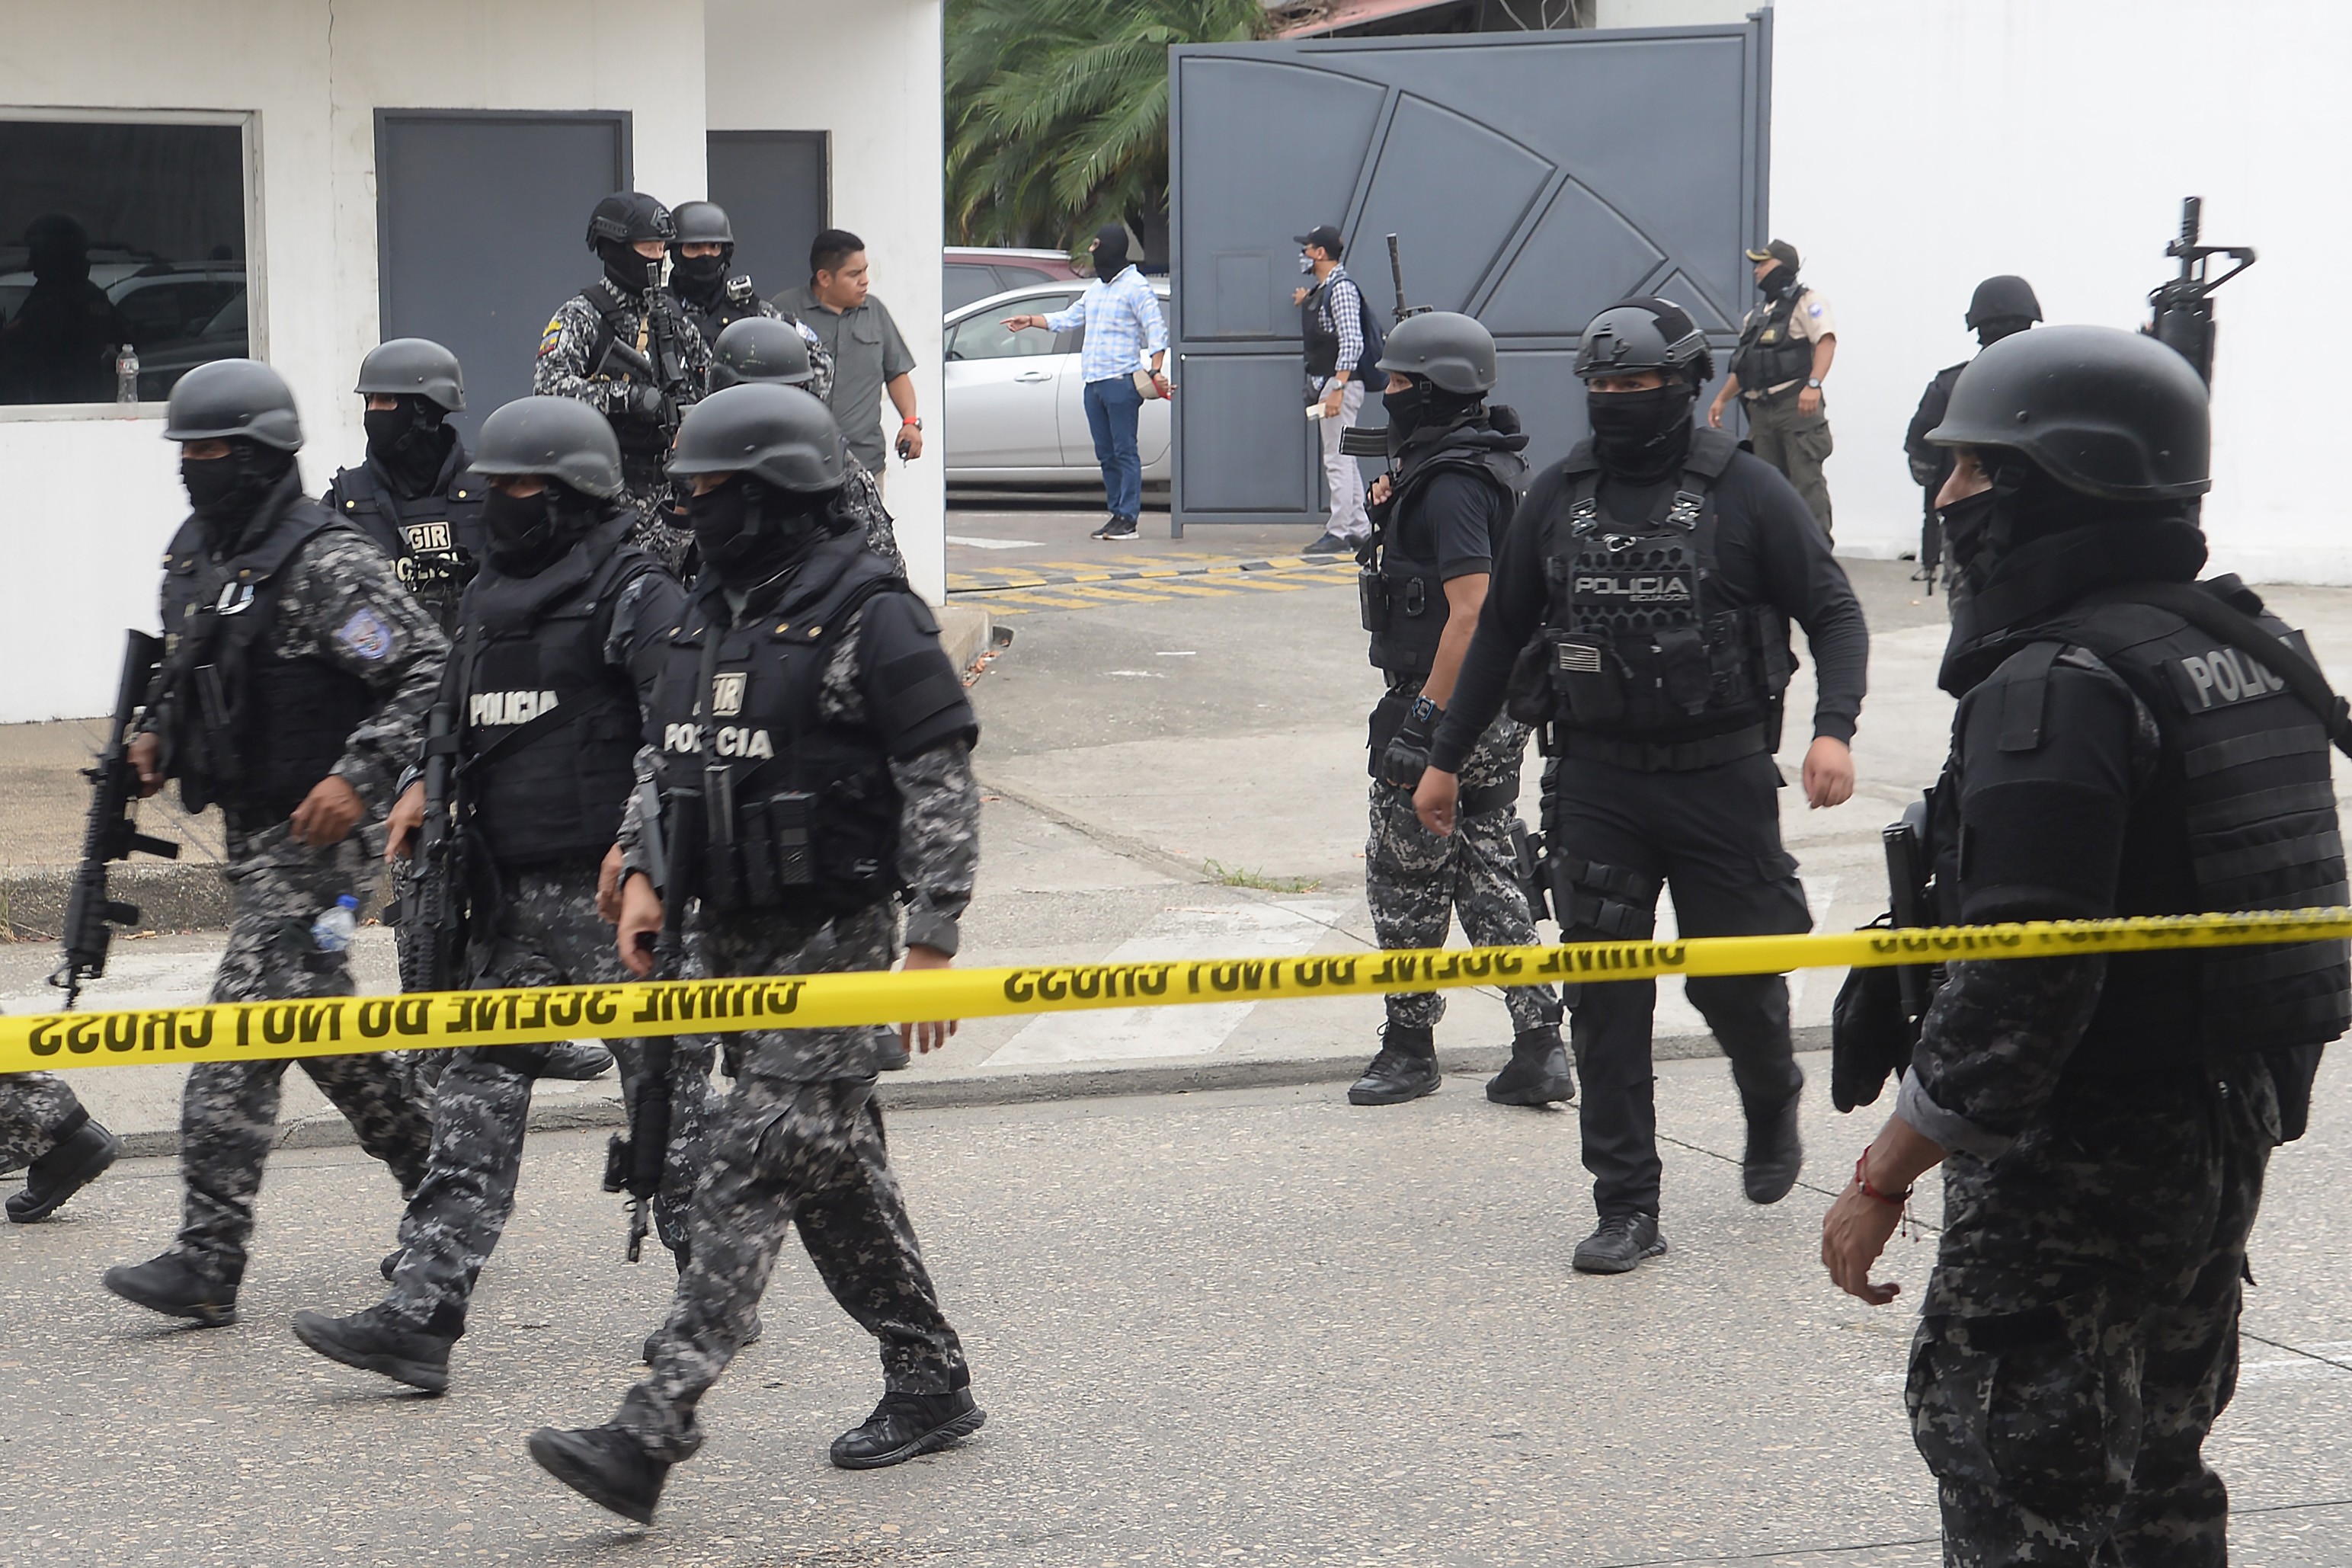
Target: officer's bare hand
(147, 761)
(1715, 414)
(1853, 1233)
(1809, 402)
(608, 888)
(401, 828)
(640, 923)
(1379, 492)
(1434, 800)
(1829, 773)
(327, 814)
(934, 1034)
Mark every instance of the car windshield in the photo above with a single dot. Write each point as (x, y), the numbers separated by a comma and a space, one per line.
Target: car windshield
(983, 335)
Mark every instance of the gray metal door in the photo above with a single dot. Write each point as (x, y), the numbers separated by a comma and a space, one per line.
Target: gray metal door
(1532, 179)
(774, 186)
(481, 221)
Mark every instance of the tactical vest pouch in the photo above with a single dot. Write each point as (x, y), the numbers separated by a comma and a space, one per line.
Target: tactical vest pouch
(1686, 672)
(1529, 696)
(1587, 896)
(1589, 678)
(1373, 596)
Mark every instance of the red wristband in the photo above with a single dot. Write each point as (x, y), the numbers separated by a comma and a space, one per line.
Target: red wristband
(1891, 1200)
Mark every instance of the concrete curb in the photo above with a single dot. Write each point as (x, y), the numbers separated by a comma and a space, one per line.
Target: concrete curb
(967, 1091)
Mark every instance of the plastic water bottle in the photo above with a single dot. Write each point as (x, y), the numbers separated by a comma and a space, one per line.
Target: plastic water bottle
(332, 931)
(126, 375)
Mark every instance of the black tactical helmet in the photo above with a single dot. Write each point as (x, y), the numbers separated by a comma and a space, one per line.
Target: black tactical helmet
(416, 367)
(1452, 350)
(779, 435)
(701, 223)
(629, 216)
(557, 437)
(223, 399)
(2007, 297)
(760, 348)
(1644, 333)
(2102, 411)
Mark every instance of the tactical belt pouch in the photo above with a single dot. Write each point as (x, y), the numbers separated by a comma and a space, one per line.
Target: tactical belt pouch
(1389, 715)
(1589, 896)
(1529, 696)
(759, 858)
(1686, 672)
(1589, 678)
(1372, 593)
(1495, 796)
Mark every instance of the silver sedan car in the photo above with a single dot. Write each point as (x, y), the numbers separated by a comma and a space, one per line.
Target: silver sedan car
(1015, 413)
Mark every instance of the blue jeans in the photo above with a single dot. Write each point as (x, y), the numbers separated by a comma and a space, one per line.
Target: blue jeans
(1113, 406)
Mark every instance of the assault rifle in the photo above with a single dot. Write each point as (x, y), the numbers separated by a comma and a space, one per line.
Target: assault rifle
(433, 907)
(2181, 311)
(1372, 441)
(1396, 275)
(634, 1162)
(110, 833)
(1908, 874)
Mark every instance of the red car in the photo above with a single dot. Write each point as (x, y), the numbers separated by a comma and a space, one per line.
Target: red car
(974, 272)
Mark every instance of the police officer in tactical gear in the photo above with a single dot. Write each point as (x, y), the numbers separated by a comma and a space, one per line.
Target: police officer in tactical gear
(1639, 614)
(2127, 742)
(702, 259)
(625, 347)
(776, 353)
(1438, 518)
(558, 644)
(297, 673)
(1786, 348)
(412, 494)
(2001, 307)
(814, 747)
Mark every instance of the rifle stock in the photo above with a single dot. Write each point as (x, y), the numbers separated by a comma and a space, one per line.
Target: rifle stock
(109, 831)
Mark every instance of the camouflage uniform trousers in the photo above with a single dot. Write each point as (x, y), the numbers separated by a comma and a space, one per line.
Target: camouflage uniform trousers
(2080, 1332)
(1416, 882)
(547, 933)
(795, 1150)
(36, 1111)
(228, 1112)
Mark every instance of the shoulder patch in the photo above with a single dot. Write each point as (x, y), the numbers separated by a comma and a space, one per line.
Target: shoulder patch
(1813, 309)
(366, 635)
(548, 339)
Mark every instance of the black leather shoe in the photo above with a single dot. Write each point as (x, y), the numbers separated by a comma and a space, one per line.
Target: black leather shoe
(645, 1350)
(79, 1159)
(1621, 1241)
(1775, 1154)
(577, 1060)
(373, 1342)
(1406, 1068)
(906, 1425)
(603, 1464)
(1537, 1073)
(177, 1287)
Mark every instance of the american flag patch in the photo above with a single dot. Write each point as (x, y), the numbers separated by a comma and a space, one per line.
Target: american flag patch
(1580, 658)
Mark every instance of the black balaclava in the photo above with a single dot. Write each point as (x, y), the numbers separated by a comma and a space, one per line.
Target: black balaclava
(1774, 283)
(410, 442)
(1110, 251)
(1425, 408)
(749, 531)
(628, 271)
(1641, 436)
(528, 534)
(1999, 327)
(225, 492)
(700, 277)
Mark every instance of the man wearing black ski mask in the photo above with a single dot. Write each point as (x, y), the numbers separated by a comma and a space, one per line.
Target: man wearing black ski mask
(716, 297)
(624, 346)
(2001, 307)
(413, 495)
(1639, 613)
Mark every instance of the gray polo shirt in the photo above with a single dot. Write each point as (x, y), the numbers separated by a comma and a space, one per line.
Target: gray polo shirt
(867, 354)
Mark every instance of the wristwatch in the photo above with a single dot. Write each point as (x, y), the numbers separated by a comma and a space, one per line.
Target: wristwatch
(1814, 382)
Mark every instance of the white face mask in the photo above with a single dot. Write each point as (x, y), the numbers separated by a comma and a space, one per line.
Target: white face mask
(1306, 262)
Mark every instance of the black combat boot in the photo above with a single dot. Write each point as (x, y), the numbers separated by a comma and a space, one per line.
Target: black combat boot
(576, 1060)
(1406, 1068)
(79, 1158)
(906, 1425)
(1621, 1241)
(1775, 1154)
(372, 1341)
(176, 1286)
(604, 1465)
(391, 1264)
(1538, 1073)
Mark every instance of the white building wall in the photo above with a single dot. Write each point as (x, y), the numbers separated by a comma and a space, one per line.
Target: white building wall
(87, 505)
(1917, 148)
(790, 65)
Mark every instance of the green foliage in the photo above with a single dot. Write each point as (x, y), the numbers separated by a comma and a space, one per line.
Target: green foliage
(1058, 112)
(1238, 877)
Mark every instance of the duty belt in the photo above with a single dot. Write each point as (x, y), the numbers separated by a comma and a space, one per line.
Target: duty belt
(1677, 757)
(1489, 797)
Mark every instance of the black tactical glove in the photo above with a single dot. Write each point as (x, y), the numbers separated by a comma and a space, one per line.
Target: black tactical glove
(643, 403)
(1406, 757)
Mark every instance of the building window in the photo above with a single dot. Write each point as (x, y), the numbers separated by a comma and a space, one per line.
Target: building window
(122, 257)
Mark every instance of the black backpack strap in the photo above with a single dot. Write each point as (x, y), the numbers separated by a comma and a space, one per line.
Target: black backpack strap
(2196, 604)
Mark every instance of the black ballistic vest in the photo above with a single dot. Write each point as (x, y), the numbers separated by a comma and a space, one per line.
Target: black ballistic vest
(1637, 639)
(435, 540)
(2241, 816)
(1402, 592)
(736, 300)
(799, 815)
(247, 730)
(1770, 351)
(550, 730)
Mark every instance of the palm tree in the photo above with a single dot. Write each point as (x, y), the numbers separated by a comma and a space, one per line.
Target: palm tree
(1057, 113)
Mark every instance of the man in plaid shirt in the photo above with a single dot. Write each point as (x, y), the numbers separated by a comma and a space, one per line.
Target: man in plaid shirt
(1332, 326)
(1121, 316)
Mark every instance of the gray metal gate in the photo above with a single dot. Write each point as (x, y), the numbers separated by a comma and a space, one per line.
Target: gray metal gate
(481, 221)
(1532, 179)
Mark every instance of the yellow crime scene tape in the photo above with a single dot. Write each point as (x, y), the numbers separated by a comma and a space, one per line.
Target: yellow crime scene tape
(338, 1026)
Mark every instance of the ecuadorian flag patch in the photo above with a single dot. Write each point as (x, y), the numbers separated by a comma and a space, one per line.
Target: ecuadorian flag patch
(547, 340)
